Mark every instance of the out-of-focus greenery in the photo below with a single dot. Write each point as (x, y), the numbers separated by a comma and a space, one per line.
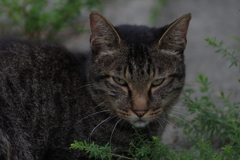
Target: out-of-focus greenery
(43, 19)
(156, 10)
(143, 149)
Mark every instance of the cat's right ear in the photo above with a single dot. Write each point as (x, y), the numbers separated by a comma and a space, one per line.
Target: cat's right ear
(104, 37)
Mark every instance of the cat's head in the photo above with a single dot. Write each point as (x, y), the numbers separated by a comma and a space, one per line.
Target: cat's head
(137, 72)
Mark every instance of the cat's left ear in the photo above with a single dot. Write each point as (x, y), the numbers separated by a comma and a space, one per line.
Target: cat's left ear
(173, 41)
(104, 37)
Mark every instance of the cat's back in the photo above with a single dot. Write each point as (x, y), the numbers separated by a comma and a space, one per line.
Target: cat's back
(37, 82)
(40, 59)
(29, 66)
(12, 51)
(38, 70)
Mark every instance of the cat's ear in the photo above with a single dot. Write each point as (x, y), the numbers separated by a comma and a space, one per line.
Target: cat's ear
(104, 37)
(173, 41)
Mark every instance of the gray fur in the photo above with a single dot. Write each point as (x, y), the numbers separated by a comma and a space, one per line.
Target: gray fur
(50, 97)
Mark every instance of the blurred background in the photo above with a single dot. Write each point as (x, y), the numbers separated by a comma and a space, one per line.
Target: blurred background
(66, 22)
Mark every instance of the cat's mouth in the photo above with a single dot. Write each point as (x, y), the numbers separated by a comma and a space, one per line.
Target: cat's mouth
(133, 119)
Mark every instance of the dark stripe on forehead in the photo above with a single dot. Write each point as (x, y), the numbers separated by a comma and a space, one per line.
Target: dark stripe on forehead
(129, 68)
(125, 71)
(149, 66)
(139, 60)
(138, 51)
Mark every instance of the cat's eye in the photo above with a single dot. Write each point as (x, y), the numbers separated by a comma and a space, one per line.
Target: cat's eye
(157, 82)
(120, 81)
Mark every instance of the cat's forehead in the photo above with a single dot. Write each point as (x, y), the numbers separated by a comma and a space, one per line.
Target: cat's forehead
(138, 62)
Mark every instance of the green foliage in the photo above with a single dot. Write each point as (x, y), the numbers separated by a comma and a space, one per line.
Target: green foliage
(216, 118)
(144, 149)
(94, 150)
(231, 55)
(202, 150)
(211, 121)
(140, 148)
(43, 18)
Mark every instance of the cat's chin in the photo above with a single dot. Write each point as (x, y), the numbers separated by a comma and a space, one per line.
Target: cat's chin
(139, 123)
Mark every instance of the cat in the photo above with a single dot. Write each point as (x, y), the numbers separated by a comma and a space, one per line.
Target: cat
(50, 97)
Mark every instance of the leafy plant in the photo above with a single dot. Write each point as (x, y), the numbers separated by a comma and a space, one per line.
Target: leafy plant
(211, 121)
(219, 121)
(94, 150)
(144, 149)
(43, 19)
(230, 55)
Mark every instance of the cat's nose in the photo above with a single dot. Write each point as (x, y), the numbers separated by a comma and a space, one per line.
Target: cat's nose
(140, 113)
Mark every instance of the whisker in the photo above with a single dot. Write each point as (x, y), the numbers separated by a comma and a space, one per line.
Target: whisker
(187, 108)
(96, 106)
(126, 125)
(184, 115)
(85, 118)
(121, 124)
(181, 119)
(87, 85)
(107, 119)
(160, 123)
(113, 131)
(191, 118)
(149, 128)
(169, 122)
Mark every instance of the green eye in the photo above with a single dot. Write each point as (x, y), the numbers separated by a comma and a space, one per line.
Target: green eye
(157, 82)
(120, 81)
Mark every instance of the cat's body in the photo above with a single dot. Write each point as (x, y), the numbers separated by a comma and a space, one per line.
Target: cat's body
(50, 97)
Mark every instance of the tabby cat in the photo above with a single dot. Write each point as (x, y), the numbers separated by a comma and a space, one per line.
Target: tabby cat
(50, 97)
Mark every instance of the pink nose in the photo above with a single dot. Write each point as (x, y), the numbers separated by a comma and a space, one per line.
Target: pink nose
(140, 113)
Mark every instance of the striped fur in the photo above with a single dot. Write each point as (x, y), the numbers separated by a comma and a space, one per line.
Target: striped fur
(138, 55)
(50, 97)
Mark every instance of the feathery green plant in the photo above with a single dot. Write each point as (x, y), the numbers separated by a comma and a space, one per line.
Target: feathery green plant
(230, 55)
(218, 121)
(42, 19)
(143, 149)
